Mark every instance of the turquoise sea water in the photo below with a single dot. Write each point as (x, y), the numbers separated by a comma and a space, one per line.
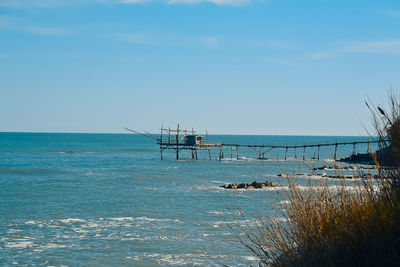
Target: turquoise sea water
(108, 199)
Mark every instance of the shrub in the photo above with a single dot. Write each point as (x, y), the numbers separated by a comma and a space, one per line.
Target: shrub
(358, 227)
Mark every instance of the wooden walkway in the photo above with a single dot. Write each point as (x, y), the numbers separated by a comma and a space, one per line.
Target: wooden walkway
(178, 140)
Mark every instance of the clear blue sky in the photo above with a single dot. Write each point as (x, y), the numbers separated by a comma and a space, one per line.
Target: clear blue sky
(229, 66)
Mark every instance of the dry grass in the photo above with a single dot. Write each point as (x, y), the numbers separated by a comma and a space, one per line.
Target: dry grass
(358, 227)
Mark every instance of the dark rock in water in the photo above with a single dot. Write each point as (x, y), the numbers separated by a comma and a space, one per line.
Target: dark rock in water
(358, 159)
(385, 156)
(241, 186)
(253, 185)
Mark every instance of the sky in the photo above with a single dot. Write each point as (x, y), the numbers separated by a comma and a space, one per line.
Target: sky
(282, 67)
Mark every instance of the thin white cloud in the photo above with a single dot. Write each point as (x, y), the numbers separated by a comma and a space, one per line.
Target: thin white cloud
(377, 47)
(393, 13)
(170, 40)
(134, 1)
(21, 4)
(211, 41)
(284, 62)
(28, 3)
(273, 44)
(48, 31)
(215, 2)
(13, 23)
(7, 21)
(134, 38)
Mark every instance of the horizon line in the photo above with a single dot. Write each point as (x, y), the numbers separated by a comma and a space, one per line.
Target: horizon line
(234, 134)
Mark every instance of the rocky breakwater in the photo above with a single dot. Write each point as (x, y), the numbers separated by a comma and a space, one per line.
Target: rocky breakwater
(253, 185)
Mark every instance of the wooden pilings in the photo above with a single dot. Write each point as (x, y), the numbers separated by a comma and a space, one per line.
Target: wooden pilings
(179, 140)
(177, 143)
(286, 152)
(336, 145)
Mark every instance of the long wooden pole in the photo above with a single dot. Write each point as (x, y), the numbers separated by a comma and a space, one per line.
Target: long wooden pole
(177, 143)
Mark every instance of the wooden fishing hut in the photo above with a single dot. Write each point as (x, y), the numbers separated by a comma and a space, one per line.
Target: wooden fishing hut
(179, 139)
(182, 139)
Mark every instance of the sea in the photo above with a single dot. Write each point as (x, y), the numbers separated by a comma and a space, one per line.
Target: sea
(69, 199)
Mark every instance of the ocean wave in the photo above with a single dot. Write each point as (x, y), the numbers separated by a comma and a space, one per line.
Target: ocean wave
(52, 245)
(73, 220)
(75, 152)
(180, 259)
(28, 171)
(21, 244)
(121, 219)
(223, 212)
(219, 182)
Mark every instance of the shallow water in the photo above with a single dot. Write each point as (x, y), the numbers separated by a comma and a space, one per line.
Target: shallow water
(108, 199)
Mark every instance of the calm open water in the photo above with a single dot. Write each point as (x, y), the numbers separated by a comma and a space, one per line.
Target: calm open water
(108, 199)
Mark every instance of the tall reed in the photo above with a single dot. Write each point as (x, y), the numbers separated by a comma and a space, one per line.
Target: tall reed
(342, 227)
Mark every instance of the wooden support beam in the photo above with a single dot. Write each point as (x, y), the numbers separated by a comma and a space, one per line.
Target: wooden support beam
(286, 152)
(177, 142)
(336, 145)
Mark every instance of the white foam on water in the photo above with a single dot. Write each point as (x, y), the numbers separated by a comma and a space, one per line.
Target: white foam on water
(249, 258)
(52, 245)
(283, 219)
(218, 224)
(219, 182)
(90, 225)
(335, 187)
(184, 259)
(148, 219)
(157, 220)
(206, 188)
(225, 234)
(283, 202)
(122, 219)
(31, 222)
(229, 159)
(13, 231)
(73, 220)
(170, 259)
(22, 244)
(135, 258)
(223, 212)
(80, 230)
(172, 167)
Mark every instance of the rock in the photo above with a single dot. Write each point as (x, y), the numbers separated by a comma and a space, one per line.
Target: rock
(240, 186)
(253, 185)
